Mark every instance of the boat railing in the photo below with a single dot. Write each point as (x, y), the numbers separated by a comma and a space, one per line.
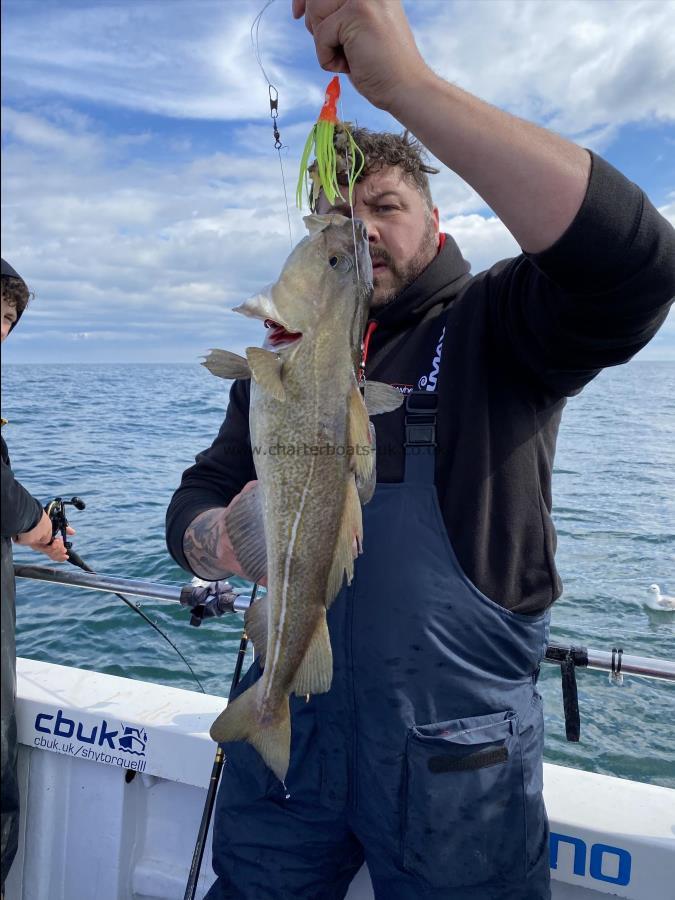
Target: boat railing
(221, 598)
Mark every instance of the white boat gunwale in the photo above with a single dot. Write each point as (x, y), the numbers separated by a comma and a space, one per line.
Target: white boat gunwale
(89, 829)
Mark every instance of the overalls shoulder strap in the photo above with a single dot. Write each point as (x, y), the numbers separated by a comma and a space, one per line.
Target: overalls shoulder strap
(421, 408)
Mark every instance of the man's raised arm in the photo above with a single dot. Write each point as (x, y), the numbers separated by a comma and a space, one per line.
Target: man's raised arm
(534, 180)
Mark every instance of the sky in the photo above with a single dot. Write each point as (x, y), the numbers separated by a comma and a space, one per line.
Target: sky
(142, 197)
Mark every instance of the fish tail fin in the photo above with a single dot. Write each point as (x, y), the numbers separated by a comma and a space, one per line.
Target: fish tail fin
(240, 721)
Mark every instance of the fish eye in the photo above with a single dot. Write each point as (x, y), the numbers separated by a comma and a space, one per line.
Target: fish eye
(341, 263)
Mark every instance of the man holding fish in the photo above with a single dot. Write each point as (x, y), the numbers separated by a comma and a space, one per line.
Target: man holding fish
(391, 714)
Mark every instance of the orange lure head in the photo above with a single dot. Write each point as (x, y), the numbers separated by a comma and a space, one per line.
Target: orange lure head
(329, 109)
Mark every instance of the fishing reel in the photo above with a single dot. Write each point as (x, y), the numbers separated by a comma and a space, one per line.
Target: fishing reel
(56, 510)
(207, 601)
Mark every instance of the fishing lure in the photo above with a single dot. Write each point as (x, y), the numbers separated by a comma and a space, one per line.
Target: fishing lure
(329, 138)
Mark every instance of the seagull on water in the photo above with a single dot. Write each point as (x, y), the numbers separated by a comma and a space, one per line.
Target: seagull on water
(658, 600)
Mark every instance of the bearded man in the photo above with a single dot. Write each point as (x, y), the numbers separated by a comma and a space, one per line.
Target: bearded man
(425, 757)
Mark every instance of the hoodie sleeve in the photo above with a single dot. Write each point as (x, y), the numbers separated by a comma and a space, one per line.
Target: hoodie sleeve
(597, 296)
(20, 510)
(218, 474)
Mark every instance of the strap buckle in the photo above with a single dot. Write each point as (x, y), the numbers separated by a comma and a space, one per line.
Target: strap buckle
(420, 420)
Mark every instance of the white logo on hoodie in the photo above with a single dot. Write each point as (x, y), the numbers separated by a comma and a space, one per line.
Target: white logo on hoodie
(428, 382)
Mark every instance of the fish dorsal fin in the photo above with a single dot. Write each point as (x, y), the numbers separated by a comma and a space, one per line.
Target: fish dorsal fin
(225, 364)
(360, 440)
(256, 620)
(381, 398)
(245, 523)
(266, 371)
(348, 544)
(315, 672)
(315, 224)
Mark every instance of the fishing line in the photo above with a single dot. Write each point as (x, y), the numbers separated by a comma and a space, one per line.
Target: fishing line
(56, 510)
(77, 560)
(274, 106)
(255, 42)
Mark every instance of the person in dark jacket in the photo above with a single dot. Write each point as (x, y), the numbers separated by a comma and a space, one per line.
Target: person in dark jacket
(25, 522)
(425, 757)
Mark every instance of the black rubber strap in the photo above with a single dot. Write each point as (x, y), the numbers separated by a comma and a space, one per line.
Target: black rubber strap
(570, 698)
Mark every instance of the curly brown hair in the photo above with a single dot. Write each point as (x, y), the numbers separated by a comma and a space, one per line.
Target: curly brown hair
(383, 148)
(15, 292)
(380, 149)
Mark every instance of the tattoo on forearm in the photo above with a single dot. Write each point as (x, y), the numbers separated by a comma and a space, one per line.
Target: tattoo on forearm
(201, 543)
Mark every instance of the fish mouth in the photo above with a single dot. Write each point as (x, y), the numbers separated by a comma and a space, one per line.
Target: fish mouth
(279, 337)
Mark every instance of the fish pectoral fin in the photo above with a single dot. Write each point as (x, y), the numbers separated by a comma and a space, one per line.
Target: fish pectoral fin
(245, 523)
(381, 398)
(351, 530)
(361, 440)
(315, 672)
(255, 623)
(366, 480)
(225, 364)
(266, 370)
(239, 721)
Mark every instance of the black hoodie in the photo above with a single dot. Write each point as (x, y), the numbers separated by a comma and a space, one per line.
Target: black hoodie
(504, 349)
(19, 512)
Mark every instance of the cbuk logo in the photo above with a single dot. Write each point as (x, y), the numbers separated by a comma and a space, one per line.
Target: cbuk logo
(428, 382)
(132, 740)
(602, 857)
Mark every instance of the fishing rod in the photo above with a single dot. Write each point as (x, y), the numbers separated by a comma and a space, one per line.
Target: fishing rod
(216, 600)
(56, 510)
(223, 599)
(218, 762)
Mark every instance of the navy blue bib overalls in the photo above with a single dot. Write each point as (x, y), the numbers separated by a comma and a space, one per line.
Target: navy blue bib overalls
(425, 758)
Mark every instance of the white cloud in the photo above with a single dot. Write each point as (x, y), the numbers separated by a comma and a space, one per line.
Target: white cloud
(482, 240)
(43, 134)
(158, 251)
(579, 66)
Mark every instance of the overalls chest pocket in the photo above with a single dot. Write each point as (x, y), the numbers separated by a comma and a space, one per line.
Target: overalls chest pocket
(464, 816)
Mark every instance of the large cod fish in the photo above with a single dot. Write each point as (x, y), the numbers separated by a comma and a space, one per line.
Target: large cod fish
(314, 456)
